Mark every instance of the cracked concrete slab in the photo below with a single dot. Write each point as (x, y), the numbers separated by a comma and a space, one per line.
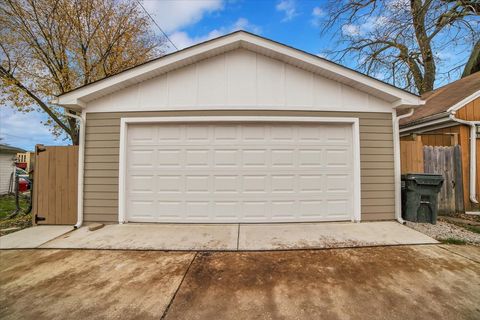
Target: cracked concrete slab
(402, 282)
(89, 284)
(469, 252)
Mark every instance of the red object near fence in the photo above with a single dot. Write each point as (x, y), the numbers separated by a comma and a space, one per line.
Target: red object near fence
(22, 185)
(21, 165)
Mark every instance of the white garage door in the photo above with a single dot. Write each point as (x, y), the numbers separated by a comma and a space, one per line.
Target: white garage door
(232, 172)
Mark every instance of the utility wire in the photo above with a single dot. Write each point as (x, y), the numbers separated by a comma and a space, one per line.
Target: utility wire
(155, 22)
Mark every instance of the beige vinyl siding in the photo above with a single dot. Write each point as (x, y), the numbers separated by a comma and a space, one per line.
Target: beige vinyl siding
(102, 156)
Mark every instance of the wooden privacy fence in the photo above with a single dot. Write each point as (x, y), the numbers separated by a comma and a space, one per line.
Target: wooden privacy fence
(55, 185)
(411, 155)
(417, 158)
(447, 162)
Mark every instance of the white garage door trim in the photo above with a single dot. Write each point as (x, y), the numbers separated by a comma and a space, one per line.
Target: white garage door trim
(124, 123)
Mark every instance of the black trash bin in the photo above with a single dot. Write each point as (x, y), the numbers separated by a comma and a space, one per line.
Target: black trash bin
(419, 196)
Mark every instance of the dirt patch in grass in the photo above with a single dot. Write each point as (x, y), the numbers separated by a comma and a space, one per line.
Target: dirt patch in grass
(20, 222)
(472, 225)
(463, 216)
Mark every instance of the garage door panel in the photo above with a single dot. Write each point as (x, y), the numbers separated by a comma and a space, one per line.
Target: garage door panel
(283, 183)
(170, 184)
(254, 184)
(255, 158)
(313, 209)
(310, 158)
(338, 183)
(283, 209)
(226, 184)
(198, 158)
(336, 158)
(282, 158)
(311, 183)
(197, 210)
(141, 184)
(226, 158)
(143, 209)
(254, 133)
(169, 133)
(338, 208)
(196, 133)
(171, 158)
(255, 210)
(283, 133)
(171, 210)
(143, 158)
(231, 172)
(226, 210)
(227, 133)
(142, 135)
(197, 184)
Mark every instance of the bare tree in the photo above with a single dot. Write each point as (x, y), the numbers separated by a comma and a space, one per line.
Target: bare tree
(49, 47)
(473, 62)
(402, 41)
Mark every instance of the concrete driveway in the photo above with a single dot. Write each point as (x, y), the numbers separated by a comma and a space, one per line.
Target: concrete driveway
(400, 282)
(217, 237)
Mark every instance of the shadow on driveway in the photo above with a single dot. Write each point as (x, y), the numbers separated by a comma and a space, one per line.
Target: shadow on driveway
(407, 282)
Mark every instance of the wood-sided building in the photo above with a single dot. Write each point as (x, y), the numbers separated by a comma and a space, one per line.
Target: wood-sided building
(451, 116)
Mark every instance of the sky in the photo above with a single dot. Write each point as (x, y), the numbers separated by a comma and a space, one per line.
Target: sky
(293, 22)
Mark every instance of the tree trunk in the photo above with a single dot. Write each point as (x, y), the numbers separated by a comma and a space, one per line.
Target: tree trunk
(473, 63)
(73, 132)
(429, 70)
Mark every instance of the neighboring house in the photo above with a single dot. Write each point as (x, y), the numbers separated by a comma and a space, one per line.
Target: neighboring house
(25, 160)
(7, 165)
(239, 129)
(453, 111)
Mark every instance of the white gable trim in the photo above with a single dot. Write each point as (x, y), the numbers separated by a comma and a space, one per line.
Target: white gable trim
(79, 97)
(459, 105)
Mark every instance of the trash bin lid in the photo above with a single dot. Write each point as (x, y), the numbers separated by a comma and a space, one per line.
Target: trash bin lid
(424, 178)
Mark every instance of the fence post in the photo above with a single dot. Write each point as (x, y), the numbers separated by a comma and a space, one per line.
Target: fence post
(457, 156)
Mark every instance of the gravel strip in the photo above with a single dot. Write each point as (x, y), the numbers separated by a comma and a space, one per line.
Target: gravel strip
(443, 230)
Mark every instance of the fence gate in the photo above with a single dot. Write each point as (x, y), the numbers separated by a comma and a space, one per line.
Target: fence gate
(446, 161)
(55, 185)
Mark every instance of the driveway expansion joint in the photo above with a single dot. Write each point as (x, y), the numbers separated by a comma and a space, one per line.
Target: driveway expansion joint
(179, 286)
(459, 254)
(238, 236)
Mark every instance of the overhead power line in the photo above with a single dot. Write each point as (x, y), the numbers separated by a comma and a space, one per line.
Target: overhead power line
(155, 22)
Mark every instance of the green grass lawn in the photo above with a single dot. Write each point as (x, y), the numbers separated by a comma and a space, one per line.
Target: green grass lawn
(475, 229)
(453, 241)
(7, 205)
(20, 221)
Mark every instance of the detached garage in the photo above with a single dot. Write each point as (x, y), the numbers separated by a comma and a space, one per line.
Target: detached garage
(239, 129)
